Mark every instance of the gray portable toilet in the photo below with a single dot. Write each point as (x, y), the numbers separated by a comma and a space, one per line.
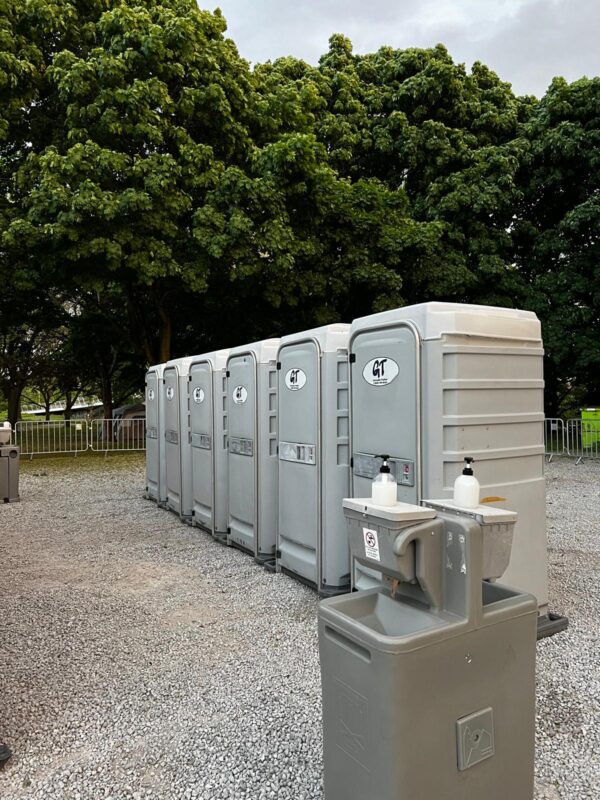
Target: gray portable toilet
(252, 456)
(435, 382)
(178, 450)
(208, 425)
(314, 457)
(156, 483)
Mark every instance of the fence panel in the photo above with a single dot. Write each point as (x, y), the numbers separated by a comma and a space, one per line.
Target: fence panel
(583, 438)
(39, 437)
(117, 435)
(554, 437)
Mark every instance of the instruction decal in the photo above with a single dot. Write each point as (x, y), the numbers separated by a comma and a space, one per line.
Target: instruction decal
(371, 544)
(198, 395)
(380, 371)
(295, 379)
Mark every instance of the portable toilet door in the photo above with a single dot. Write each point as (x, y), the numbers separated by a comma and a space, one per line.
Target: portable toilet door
(252, 455)
(433, 383)
(156, 484)
(314, 457)
(178, 451)
(208, 415)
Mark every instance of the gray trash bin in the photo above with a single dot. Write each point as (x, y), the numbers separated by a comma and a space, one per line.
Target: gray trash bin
(428, 687)
(9, 473)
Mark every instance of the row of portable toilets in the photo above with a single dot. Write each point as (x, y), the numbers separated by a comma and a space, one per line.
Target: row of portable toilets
(258, 445)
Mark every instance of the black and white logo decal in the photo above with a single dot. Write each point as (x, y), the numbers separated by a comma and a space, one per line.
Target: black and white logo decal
(295, 379)
(170, 392)
(380, 371)
(198, 395)
(150, 395)
(240, 395)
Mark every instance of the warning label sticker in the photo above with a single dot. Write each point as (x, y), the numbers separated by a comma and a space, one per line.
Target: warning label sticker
(371, 544)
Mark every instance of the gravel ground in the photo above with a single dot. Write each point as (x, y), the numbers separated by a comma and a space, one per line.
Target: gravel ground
(140, 659)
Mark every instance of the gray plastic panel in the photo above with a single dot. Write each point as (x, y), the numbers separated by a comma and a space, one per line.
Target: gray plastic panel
(384, 405)
(314, 457)
(299, 525)
(385, 415)
(202, 429)
(178, 449)
(156, 486)
(243, 424)
(172, 450)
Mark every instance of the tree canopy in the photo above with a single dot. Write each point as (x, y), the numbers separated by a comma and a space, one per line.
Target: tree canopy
(159, 196)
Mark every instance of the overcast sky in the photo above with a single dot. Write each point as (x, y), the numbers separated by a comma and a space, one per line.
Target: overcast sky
(527, 42)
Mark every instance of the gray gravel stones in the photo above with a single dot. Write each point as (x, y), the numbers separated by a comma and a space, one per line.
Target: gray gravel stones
(141, 660)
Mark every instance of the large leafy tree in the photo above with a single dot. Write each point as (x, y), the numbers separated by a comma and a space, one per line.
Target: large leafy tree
(313, 245)
(557, 237)
(152, 106)
(417, 123)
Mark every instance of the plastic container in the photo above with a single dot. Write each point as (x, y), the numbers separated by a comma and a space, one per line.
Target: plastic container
(466, 487)
(385, 488)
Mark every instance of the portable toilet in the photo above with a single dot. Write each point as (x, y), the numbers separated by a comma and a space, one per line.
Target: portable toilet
(178, 450)
(435, 382)
(156, 483)
(252, 455)
(314, 457)
(208, 426)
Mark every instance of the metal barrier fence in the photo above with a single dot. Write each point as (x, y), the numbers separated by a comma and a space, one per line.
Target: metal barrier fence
(583, 439)
(112, 435)
(39, 437)
(575, 438)
(554, 437)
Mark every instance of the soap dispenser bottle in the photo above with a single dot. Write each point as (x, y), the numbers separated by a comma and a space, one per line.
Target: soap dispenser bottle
(385, 488)
(466, 487)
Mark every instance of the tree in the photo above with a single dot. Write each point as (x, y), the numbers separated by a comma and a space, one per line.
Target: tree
(99, 344)
(313, 246)
(152, 104)
(557, 237)
(26, 319)
(414, 119)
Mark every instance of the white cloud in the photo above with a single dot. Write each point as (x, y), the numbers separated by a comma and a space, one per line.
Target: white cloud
(527, 42)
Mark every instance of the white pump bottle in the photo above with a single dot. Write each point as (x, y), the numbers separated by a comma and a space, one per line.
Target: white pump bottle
(466, 487)
(385, 489)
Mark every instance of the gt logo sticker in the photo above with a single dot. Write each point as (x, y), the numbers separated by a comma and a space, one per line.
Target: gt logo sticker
(150, 395)
(170, 392)
(295, 379)
(198, 395)
(380, 371)
(240, 395)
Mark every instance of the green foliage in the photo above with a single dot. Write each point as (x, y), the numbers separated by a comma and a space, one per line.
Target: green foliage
(558, 237)
(164, 198)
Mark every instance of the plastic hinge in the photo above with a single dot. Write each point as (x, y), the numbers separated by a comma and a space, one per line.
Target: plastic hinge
(352, 358)
(227, 374)
(279, 365)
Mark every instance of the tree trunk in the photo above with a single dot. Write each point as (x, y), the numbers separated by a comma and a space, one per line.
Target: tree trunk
(14, 403)
(551, 390)
(69, 403)
(166, 328)
(107, 408)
